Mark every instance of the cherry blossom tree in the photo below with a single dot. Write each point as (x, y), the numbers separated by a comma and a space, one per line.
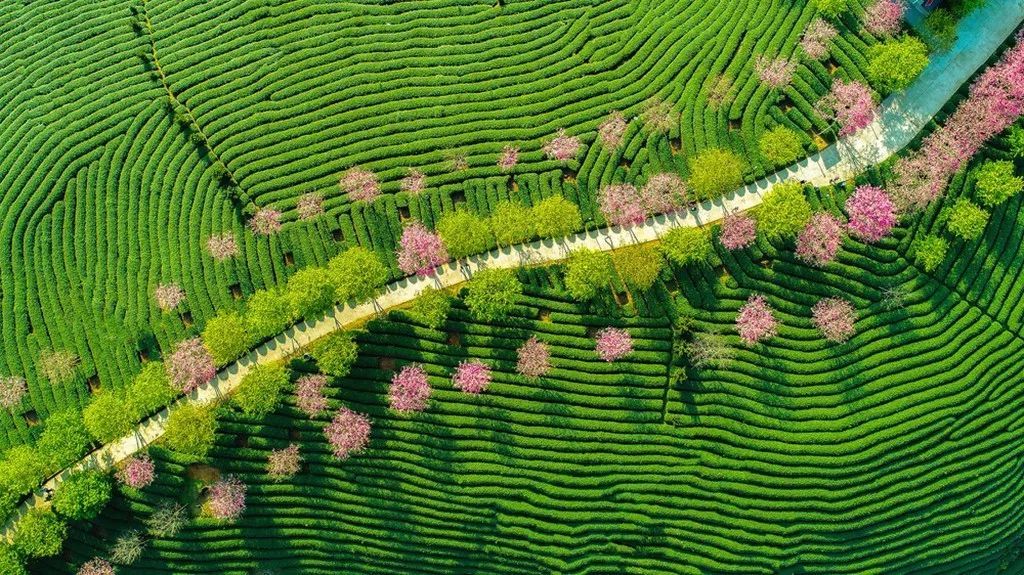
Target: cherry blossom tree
(613, 343)
(612, 131)
(872, 213)
(409, 389)
(96, 566)
(738, 231)
(834, 317)
(284, 463)
(658, 117)
(348, 433)
(309, 394)
(884, 17)
(190, 365)
(534, 358)
(137, 472)
(168, 296)
(420, 250)
(227, 499)
(414, 183)
(664, 192)
(222, 246)
(756, 322)
(472, 377)
(562, 147)
(12, 390)
(360, 185)
(620, 204)
(816, 37)
(850, 105)
(265, 222)
(509, 158)
(819, 242)
(310, 206)
(774, 72)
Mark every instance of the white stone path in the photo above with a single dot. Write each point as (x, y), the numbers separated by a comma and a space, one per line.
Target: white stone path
(901, 118)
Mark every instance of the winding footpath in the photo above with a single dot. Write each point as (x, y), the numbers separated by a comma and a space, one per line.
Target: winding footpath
(900, 118)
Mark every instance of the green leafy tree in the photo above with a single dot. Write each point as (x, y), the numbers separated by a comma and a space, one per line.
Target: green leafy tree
(260, 391)
(335, 353)
(715, 172)
(1015, 139)
(149, 391)
(21, 470)
(894, 64)
(225, 338)
(685, 246)
(191, 430)
(64, 439)
(431, 307)
(492, 294)
(997, 182)
(10, 561)
(832, 9)
(109, 416)
(966, 220)
(780, 146)
(556, 217)
(929, 251)
(82, 495)
(464, 233)
(586, 273)
(941, 26)
(40, 533)
(310, 293)
(784, 211)
(267, 313)
(512, 223)
(638, 266)
(357, 274)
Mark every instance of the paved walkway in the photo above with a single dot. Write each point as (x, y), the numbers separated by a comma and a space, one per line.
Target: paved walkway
(900, 119)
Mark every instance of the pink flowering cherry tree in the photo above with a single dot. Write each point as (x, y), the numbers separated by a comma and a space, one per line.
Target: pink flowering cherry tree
(872, 213)
(849, 105)
(360, 185)
(562, 147)
(348, 433)
(774, 73)
(534, 358)
(508, 159)
(96, 566)
(409, 389)
(190, 365)
(819, 241)
(265, 222)
(168, 296)
(12, 390)
(664, 192)
(420, 251)
(309, 394)
(620, 204)
(738, 231)
(310, 206)
(884, 17)
(284, 463)
(612, 131)
(613, 344)
(816, 37)
(756, 322)
(222, 246)
(227, 499)
(137, 472)
(472, 377)
(834, 317)
(414, 183)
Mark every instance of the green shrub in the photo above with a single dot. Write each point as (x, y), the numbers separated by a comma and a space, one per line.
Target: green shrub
(1015, 140)
(997, 182)
(431, 307)
(64, 439)
(260, 390)
(109, 416)
(556, 217)
(638, 266)
(21, 470)
(357, 274)
(310, 293)
(832, 9)
(894, 64)
(715, 172)
(82, 495)
(150, 391)
(335, 353)
(512, 223)
(966, 220)
(929, 251)
(267, 313)
(191, 429)
(225, 338)
(784, 211)
(685, 246)
(492, 294)
(941, 27)
(464, 233)
(10, 561)
(780, 146)
(40, 533)
(586, 273)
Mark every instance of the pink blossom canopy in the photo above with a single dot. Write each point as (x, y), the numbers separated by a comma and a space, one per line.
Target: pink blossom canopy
(222, 246)
(409, 389)
(738, 231)
(309, 394)
(137, 472)
(472, 377)
(420, 250)
(534, 358)
(872, 213)
(816, 37)
(850, 105)
(227, 499)
(774, 72)
(613, 343)
(834, 317)
(562, 147)
(348, 433)
(621, 206)
(509, 158)
(310, 206)
(284, 463)
(190, 365)
(663, 192)
(414, 183)
(96, 566)
(360, 185)
(612, 131)
(756, 322)
(884, 17)
(12, 389)
(265, 222)
(168, 296)
(819, 241)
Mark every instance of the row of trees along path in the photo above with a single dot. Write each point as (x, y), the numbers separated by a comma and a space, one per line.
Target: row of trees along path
(898, 120)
